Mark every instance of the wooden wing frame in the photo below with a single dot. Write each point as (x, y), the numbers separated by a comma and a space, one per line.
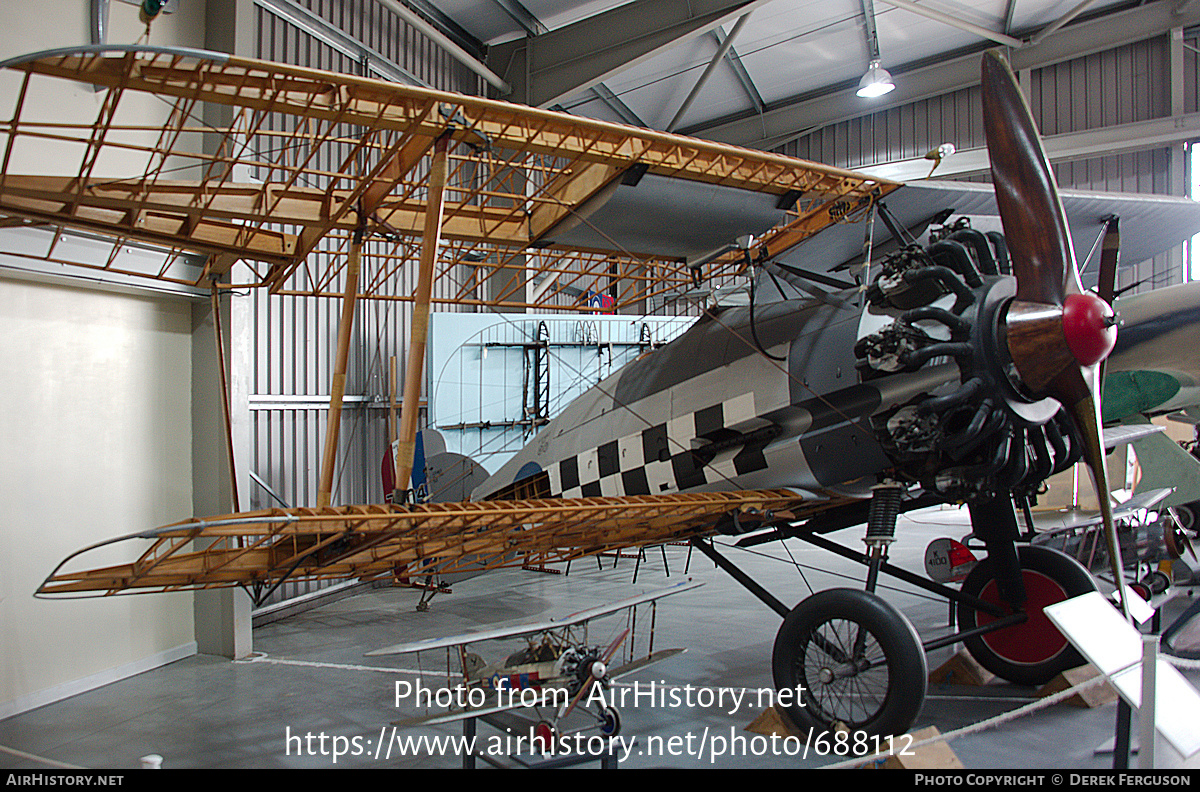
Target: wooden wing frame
(256, 550)
(279, 168)
(269, 164)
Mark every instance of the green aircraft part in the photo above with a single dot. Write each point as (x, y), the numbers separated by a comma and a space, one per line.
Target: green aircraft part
(1129, 393)
(1164, 463)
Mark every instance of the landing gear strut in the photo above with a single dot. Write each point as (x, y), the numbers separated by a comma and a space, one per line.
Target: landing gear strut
(856, 661)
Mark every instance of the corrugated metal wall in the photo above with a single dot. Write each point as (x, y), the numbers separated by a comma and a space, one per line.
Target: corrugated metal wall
(1118, 86)
(294, 338)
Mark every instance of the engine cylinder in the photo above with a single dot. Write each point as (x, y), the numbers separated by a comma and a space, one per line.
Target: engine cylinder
(984, 434)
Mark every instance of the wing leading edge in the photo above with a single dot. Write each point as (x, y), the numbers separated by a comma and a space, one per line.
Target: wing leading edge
(499, 633)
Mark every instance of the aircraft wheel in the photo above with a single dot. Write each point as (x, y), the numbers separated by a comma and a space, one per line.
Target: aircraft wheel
(543, 736)
(610, 722)
(1185, 515)
(1033, 652)
(855, 660)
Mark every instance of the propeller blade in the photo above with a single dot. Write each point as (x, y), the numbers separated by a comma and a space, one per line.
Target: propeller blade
(1106, 287)
(1110, 253)
(1086, 413)
(612, 647)
(1056, 333)
(592, 678)
(1034, 221)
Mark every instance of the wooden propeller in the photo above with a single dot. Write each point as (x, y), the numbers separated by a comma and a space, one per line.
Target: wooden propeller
(1057, 333)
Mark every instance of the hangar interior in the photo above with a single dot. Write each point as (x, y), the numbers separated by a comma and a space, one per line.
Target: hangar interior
(113, 418)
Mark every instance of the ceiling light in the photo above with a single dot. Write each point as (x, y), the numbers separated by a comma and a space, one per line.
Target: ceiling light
(876, 82)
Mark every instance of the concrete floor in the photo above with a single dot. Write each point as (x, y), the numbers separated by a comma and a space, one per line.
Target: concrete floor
(311, 677)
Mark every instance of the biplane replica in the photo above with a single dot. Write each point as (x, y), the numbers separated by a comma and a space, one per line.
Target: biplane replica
(866, 377)
(559, 667)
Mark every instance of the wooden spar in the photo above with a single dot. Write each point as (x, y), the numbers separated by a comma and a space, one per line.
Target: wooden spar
(338, 389)
(391, 401)
(414, 368)
(224, 380)
(375, 193)
(578, 159)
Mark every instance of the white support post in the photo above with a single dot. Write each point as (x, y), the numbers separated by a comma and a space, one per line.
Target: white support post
(1146, 725)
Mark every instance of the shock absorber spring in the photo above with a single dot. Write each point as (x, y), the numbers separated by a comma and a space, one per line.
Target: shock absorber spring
(885, 508)
(881, 526)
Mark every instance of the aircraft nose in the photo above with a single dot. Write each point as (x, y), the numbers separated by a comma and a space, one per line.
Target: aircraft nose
(1090, 327)
(599, 669)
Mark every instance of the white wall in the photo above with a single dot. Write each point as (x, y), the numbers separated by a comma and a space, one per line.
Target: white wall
(95, 414)
(95, 442)
(27, 27)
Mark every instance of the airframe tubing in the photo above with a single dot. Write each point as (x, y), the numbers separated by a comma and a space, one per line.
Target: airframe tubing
(741, 577)
(1003, 619)
(902, 574)
(153, 534)
(101, 49)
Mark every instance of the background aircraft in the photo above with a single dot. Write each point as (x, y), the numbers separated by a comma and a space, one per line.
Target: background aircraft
(964, 371)
(559, 663)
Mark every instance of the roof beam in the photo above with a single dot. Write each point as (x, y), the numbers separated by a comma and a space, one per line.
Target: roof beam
(321, 29)
(448, 44)
(789, 118)
(739, 69)
(565, 61)
(522, 16)
(717, 57)
(1067, 147)
(457, 33)
(614, 103)
(1036, 38)
(961, 24)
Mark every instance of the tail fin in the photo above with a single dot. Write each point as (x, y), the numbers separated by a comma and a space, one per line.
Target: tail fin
(439, 476)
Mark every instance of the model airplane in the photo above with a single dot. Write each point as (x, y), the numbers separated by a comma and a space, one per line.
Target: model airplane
(553, 675)
(962, 371)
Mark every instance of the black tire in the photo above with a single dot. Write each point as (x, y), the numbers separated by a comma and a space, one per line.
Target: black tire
(1185, 515)
(1034, 652)
(883, 696)
(610, 722)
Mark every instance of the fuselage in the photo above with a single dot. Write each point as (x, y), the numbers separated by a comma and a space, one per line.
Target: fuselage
(713, 411)
(1155, 367)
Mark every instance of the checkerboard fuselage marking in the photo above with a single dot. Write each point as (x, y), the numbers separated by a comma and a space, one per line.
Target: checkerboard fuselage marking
(662, 457)
(637, 456)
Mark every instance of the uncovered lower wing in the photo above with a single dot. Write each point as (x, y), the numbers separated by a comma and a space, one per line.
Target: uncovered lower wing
(261, 548)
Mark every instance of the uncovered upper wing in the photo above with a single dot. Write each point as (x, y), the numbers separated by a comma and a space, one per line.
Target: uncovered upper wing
(533, 195)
